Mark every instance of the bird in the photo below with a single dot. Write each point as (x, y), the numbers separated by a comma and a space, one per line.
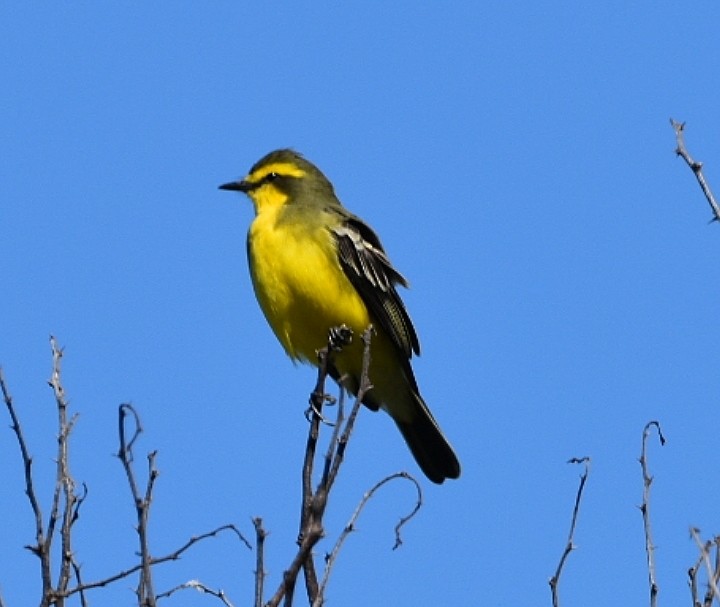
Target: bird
(316, 266)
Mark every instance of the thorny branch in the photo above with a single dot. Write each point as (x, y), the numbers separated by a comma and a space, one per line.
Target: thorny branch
(570, 545)
(645, 509)
(695, 166)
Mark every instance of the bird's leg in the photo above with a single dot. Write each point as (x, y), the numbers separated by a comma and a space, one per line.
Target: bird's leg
(338, 338)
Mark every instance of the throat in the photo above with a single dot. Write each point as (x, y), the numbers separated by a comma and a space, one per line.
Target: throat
(269, 202)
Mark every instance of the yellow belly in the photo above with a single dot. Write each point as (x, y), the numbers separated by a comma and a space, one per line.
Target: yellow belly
(303, 291)
(301, 287)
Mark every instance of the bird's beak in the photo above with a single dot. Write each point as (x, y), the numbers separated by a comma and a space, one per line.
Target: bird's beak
(237, 186)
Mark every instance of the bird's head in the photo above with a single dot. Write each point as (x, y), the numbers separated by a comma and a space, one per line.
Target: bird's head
(283, 177)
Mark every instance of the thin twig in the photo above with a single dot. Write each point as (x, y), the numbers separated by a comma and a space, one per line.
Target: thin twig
(331, 558)
(65, 503)
(570, 545)
(692, 575)
(363, 389)
(145, 591)
(200, 587)
(260, 535)
(695, 166)
(172, 556)
(37, 549)
(405, 519)
(335, 438)
(645, 509)
(715, 576)
(78, 579)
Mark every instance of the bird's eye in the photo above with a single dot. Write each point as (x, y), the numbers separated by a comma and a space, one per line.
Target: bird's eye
(271, 177)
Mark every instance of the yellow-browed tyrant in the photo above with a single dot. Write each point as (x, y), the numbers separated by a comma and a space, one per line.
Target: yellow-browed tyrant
(315, 266)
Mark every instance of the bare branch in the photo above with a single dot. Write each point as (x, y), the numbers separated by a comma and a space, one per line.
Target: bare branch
(78, 579)
(714, 575)
(363, 389)
(37, 549)
(145, 591)
(570, 545)
(337, 339)
(200, 587)
(65, 503)
(173, 556)
(405, 519)
(331, 558)
(692, 575)
(645, 509)
(713, 571)
(696, 167)
(260, 535)
(315, 502)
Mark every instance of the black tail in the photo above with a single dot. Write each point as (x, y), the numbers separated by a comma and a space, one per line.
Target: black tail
(429, 446)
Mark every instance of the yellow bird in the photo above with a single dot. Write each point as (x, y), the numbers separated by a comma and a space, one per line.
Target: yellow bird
(315, 266)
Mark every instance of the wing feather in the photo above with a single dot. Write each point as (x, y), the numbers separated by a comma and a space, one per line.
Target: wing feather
(366, 264)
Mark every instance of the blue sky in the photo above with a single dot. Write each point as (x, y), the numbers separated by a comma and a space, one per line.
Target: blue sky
(517, 161)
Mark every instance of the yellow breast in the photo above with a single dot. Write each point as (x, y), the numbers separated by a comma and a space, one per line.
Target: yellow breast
(300, 284)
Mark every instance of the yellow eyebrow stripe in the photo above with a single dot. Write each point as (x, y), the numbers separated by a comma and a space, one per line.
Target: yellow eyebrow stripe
(281, 168)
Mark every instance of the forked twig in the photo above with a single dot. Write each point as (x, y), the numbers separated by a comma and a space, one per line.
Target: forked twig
(338, 338)
(713, 572)
(570, 545)
(145, 590)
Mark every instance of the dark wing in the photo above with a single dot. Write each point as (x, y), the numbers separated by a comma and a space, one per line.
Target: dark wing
(366, 265)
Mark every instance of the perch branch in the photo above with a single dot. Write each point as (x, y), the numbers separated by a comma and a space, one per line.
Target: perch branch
(315, 502)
